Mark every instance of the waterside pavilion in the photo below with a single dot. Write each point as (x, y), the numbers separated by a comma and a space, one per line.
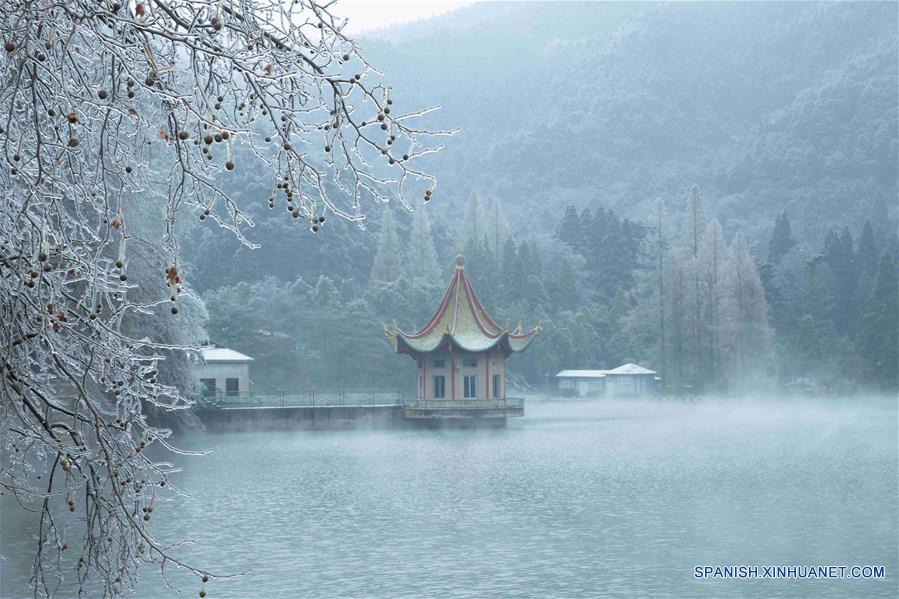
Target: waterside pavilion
(461, 356)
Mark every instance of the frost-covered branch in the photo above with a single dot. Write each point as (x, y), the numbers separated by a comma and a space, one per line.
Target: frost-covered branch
(108, 107)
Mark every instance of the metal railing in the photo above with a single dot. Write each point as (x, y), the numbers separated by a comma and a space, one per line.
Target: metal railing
(466, 404)
(311, 398)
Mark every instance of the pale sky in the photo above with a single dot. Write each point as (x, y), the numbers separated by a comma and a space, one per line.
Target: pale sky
(365, 15)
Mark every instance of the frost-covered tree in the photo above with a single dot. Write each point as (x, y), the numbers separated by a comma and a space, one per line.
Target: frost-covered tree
(473, 222)
(388, 264)
(497, 227)
(748, 320)
(421, 258)
(691, 241)
(107, 104)
(713, 263)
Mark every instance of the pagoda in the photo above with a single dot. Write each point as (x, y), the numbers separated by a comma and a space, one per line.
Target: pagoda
(461, 355)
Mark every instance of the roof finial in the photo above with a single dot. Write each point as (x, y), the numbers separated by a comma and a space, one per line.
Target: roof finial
(460, 261)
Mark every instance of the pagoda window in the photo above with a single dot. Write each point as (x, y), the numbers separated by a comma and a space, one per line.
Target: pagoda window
(470, 386)
(439, 364)
(496, 393)
(470, 362)
(439, 386)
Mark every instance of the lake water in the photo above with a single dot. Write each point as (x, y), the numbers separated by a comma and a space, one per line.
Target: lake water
(576, 499)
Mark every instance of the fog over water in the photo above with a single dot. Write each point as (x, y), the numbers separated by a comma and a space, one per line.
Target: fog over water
(579, 498)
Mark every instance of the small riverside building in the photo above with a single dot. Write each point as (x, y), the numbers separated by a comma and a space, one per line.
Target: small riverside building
(460, 353)
(223, 370)
(584, 382)
(626, 380)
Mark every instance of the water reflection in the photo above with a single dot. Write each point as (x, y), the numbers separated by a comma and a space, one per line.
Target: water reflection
(577, 499)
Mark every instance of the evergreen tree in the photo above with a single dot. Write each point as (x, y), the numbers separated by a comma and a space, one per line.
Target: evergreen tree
(782, 240)
(388, 264)
(880, 333)
(570, 231)
(563, 289)
(421, 257)
(506, 268)
(841, 278)
(867, 255)
(497, 228)
(473, 222)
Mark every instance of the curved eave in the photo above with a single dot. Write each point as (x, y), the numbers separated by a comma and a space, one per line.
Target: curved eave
(508, 343)
(519, 343)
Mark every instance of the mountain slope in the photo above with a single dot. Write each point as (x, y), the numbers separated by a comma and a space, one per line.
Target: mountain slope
(768, 106)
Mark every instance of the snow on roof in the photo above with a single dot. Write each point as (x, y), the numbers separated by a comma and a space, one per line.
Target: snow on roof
(581, 374)
(462, 321)
(223, 354)
(595, 374)
(630, 369)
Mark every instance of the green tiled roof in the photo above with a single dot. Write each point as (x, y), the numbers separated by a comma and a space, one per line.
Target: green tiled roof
(460, 321)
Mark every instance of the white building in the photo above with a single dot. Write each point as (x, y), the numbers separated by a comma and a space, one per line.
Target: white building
(223, 370)
(585, 382)
(626, 380)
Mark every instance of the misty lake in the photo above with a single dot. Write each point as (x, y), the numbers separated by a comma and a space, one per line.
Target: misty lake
(579, 498)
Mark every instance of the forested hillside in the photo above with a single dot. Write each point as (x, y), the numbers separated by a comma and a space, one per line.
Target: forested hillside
(769, 106)
(582, 127)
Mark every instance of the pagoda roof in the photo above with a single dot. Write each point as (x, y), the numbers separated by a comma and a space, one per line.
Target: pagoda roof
(462, 323)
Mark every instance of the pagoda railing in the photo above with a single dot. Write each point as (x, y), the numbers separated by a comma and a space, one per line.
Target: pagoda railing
(509, 403)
